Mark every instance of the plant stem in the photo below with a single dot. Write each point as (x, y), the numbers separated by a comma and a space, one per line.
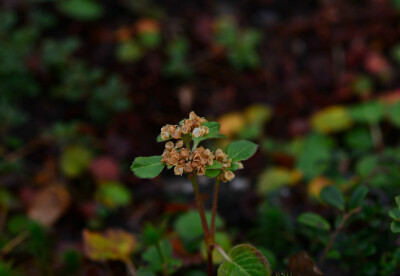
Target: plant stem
(222, 252)
(376, 134)
(208, 236)
(201, 208)
(130, 266)
(210, 247)
(13, 243)
(338, 229)
(215, 207)
(164, 261)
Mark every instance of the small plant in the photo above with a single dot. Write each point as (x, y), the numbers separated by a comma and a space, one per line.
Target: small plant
(185, 156)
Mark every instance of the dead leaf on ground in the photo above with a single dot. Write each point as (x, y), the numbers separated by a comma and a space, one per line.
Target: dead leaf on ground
(49, 204)
(113, 244)
(302, 264)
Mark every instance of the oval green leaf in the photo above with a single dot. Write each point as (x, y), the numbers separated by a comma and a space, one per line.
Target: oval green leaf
(395, 227)
(314, 221)
(245, 260)
(147, 167)
(241, 150)
(333, 196)
(357, 197)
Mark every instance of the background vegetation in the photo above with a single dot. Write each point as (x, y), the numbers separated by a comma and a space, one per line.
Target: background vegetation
(86, 85)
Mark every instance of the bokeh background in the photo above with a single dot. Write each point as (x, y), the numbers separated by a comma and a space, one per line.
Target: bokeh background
(86, 85)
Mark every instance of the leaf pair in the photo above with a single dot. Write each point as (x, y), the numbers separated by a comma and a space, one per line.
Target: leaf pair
(149, 167)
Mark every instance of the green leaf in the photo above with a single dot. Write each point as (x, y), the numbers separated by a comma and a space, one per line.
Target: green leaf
(333, 196)
(6, 269)
(147, 167)
(241, 150)
(394, 114)
(212, 173)
(370, 112)
(395, 227)
(272, 179)
(315, 155)
(145, 272)
(216, 165)
(365, 165)
(214, 170)
(75, 160)
(330, 120)
(129, 51)
(152, 235)
(189, 225)
(245, 260)
(395, 213)
(113, 194)
(213, 133)
(234, 166)
(314, 220)
(397, 199)
(81, 9)
(359, 139)
(357, 196)
(152, 256)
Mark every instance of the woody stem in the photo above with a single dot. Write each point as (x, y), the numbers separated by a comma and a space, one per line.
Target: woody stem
(214, 208)
(208, 237)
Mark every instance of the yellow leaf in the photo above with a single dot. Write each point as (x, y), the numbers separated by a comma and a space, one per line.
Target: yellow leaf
(113, 244)
(257, 114)
(331, 119)
(231, 123)
(317, 184)
(275, 178)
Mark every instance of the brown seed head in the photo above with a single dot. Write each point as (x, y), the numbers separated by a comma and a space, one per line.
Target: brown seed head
(165, 135)
(185, 153)
(169, 145)
(179, 144)
(178, 170)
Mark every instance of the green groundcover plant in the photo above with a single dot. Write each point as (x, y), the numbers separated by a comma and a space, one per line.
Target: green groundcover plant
(183, 154)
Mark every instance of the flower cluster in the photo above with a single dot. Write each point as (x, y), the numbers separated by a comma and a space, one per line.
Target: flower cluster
(186, 161)
(226, 174)
(193, 161)
(192, 125)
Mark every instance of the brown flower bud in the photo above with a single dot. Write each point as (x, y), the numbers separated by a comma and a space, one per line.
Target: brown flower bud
(228, 175)
(192, 115)
(169, 145)
(219, 154)
(240, 164)
(206, 130)
(179, 144)
(173, 158)
(195, 164)
(185, 129)
(178, 170)
(201, 170)
(177, 134)
(171, 128)
(187, 168)
(198, 132)
(165, 135)
(185, 153)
